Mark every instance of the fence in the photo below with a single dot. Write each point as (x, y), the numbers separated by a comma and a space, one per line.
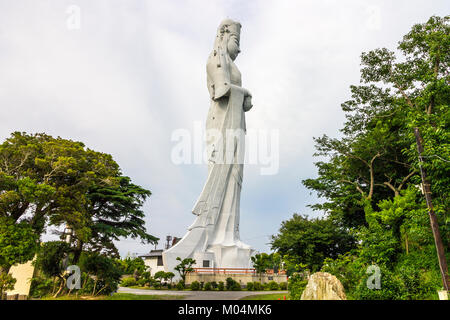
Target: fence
(233, 271)
(6, 296)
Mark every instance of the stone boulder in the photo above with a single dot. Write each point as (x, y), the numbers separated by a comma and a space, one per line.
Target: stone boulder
(323, 286)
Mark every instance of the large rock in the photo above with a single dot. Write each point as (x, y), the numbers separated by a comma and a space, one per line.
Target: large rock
(323, 286)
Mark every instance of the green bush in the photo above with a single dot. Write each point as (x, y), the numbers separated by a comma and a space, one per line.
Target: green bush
(195, 286)
(232, 285)
(105, 270)
(250, 286)
(297, 284)
(40, 287)
(419, 273)
(207, 286)
(283, 285)
(214, 285)
(221, 286)
(257, 286)
(128, 282)
(236, 287)
(391, 288)
(229, 283)
(180, 285)
(272, 285)
(266, 286)
(141, 282)
(347, 269)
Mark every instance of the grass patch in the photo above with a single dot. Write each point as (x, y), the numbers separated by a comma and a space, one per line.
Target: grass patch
(130, 296)
(270, 296)
(153, 288)
(119, 296)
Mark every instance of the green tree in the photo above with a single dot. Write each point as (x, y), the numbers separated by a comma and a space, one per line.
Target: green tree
(369, 177)
(310, 241)
(115, 211)
(51, 261)
(105, 271)
(132, 264)
(168, 276)
(7, 282)
(184, 267)
(420, 85)
(18, 243)
(53, 181)
(159, 276)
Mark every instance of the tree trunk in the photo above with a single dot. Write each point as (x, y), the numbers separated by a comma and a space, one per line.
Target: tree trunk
(100, 291)
(54, 285)
(406, 243)
(77, 252)
(95, 285)
(61, 287)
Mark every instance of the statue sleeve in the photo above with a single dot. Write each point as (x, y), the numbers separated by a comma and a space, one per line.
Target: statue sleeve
(218, 74)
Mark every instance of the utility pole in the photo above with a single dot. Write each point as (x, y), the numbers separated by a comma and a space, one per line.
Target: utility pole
(433, 220)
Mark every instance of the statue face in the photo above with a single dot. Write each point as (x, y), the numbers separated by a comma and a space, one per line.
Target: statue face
(233, 42)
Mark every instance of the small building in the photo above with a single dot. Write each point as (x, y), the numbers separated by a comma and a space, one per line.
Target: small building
(154, 261)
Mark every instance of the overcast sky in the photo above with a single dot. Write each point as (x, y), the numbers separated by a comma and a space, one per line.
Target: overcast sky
(134, 72)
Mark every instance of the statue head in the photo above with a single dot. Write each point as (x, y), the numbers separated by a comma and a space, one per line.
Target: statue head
(226, 49)
(228, 37)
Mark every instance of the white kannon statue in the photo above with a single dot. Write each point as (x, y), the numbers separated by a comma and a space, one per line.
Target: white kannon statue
(213, 239)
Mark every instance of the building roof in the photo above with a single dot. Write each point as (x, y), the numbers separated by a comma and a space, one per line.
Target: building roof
(152, 253)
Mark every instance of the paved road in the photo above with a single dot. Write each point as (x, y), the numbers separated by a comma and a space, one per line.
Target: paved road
(200, 295)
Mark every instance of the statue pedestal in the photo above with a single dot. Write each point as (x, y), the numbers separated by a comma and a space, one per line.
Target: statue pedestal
(234, 255)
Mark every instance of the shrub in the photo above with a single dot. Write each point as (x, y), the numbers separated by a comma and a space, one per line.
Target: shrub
(40, 287)
(221, 286)
(180, 285)
(232, 285)
(272, 285)
(7, 282)
(195, 286)
(236, 286)
(141, 282)
(106, 271)
(214, 285)
(283, 285)
(229, 283)
(250, 286)
(421, 279)
(208, 286)
(265, 286)
(297, 285)
(346, 268)
(128, 282)
(257, 286)
(391, 288)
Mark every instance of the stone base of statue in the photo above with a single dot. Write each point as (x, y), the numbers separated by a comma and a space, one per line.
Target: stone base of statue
(233, 254)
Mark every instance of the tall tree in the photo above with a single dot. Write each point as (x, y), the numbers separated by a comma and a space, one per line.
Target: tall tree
(420, 84)
(376, 159)
(46, 181)
(115, 211)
